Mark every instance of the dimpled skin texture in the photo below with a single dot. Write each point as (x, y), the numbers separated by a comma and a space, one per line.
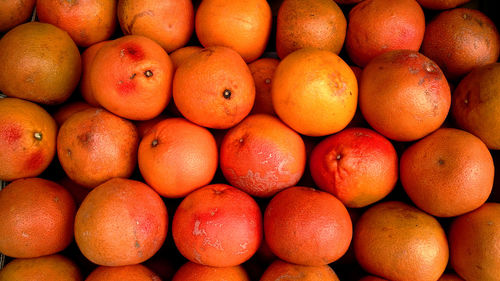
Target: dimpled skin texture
(261, 156)
(283, 271)
(306, 226)
(217, 225)
(40, 63)
(193, 271)
(46, 268)
(95, 145)
(404, 95)
(37, 218)
(27, 138)
(378, 26)
(121, 222)
(475, 104)
(474, 239)
(399, 242)
(136, 272)
(461, 39)
(457, 162)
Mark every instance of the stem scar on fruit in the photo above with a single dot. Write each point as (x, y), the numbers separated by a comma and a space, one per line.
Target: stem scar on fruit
(154, 143)
(148, 73)
(226, 94)
(37, 136)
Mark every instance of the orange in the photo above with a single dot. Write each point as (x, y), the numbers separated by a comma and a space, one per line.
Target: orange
(136, 272)
(378, 26)
(121, 222)
(47, 268)
(357, 165)
(40, 63)
(399, 242)
(263, 71)
(217, 225)
(87, 58)
(27, 138)
(170, 22)
(214, 88)
(474, 239)
(448, 173)
(68, 109)
(193, 271)
(441, 4)
(180, 55)
(317, 24)
(94, 146)
(315, 92)
(243, 25)
(14, 13)
(283, 271)
(404, 95)
(475, 103)
(306, 226)
(176, 157)
(37, 218)
(132, 77)
(86, 21)
(461, 39)
(262, 156)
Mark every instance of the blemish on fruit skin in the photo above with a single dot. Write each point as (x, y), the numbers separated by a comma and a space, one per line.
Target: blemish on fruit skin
(10, 133)
(197, 231)
(125, 87)
(133, 52)
(34, 161)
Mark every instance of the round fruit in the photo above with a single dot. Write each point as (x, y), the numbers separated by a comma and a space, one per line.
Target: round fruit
(214, 88)
(399, 242)
(357, 165)
(441, 4)
(242, 25)
(474, 239)
(136, 272)
(448, 173)
(87, 21)
(14, 13)
(283, 271)
(379, 26)
(180, 55)
(177, 157)
(461, 39)
(262, 156)
(121, 222)
(217, 225)
(307, 226)
(94, 146)
(27, 139)
(315, 92)
(87, 59)
(193, 271)
(263, 71)
(404, 95)
(317, 24)
(40, 63)
(46, 268)
(169, 22)
(132, 77)
(37, 218)
(475, 104)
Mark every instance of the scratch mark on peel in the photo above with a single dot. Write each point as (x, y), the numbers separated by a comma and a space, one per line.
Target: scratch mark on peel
(197, 231)
(197, 256)
(25, 235)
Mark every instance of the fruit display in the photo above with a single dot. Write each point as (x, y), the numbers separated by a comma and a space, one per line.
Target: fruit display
(249, 140)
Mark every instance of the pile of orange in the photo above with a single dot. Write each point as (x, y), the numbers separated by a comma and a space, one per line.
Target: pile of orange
(249, 140)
